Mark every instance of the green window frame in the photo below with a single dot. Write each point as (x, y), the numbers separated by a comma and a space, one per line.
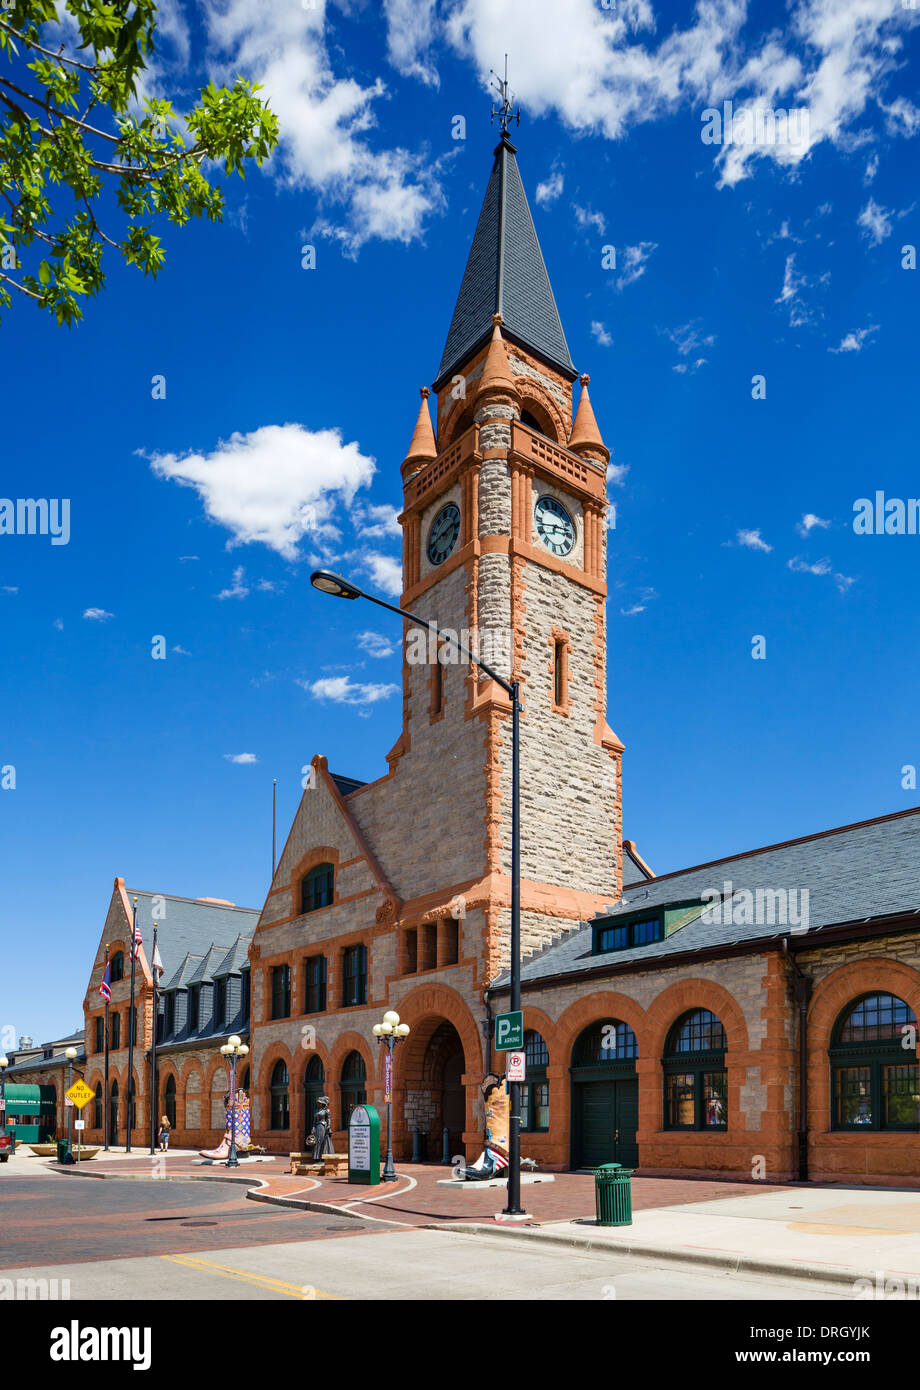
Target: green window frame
(169, 1102)
(279, 1091)
(117, 967)
(317, 888)
(281, 991)
(220, 1001)
(98, 1106)
(352, 1086)
(115, 1032)
(695, 1075)
(100, 1033)
(194, 999)
(314, 984)
(354, 975)
(875, 1079)
(535, 1090)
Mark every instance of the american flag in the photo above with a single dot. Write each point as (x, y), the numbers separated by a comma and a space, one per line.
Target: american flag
(499, 1161)
(105, 989)
(138, 941)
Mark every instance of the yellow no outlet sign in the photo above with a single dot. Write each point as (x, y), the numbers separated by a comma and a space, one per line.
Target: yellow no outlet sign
(80, 1094)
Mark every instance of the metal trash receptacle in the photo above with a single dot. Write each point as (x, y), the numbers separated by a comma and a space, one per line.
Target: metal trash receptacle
(613, 1194)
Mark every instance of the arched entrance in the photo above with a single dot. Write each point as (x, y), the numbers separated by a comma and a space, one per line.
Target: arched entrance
(605, 1096)
(442, 1069)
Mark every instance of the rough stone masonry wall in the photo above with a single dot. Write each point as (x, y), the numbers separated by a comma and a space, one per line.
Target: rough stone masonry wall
(568, 782)
(426, 822)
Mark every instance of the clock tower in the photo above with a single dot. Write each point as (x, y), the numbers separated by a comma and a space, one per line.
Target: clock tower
(504, 544)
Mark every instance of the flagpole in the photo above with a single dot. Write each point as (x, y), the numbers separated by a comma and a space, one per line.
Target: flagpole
(274, 822)
(131, 1087)
(153, 1050)
(105, 1100)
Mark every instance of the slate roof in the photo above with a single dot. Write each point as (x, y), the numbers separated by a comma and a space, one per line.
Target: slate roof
(236, 959)
(854, 873)
(191, 933)
(505, 274)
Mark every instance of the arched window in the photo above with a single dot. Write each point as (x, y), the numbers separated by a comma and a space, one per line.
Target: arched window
(874, 1071)
(280, 1102)
(352, 1085)
(316, 888)
(537, 419)
(169, 1100)
(314, 1080)
(117, 967)
(605, 1042)
(535, 1090)
(113, 1114)
(695, 1086)
(98, 1106)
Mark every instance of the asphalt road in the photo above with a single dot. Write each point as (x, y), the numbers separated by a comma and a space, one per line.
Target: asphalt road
(133, 1240)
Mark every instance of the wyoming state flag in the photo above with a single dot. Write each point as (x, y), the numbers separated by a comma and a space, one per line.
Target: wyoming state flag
(105, 989)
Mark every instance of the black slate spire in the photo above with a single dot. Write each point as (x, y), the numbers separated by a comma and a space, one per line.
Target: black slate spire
(505, 274)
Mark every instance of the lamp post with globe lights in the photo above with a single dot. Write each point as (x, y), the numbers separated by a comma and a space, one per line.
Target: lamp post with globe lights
(390, 1032)
(70, 1054)
(232, 1049)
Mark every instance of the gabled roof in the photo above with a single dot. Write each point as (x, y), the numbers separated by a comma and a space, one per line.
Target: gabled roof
(853, 873)
(208, 965)
(505, 274)
(236, 959)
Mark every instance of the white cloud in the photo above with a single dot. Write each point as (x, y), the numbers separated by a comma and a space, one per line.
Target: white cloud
(688, 338)
(803, 567)
(238, 589)
(375, 644)
(410, 27)
(326, 119)
(634, 259)
(902, 117)
(586, 217)
(852, 342)
(871, 169)
(59, 624)
(10, 588)
(608, 71)
(342, 690)
(809, 522)
(550, 189)
(241, 757)
(97, 615)
(752, 540)
(373, 520)
(791, 294)
(600, 334)
(384, 570)
(180, 651)
(875, 222)
(275, 485)
(631, 612)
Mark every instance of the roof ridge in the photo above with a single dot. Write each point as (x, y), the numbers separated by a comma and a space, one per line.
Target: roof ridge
(783, 844)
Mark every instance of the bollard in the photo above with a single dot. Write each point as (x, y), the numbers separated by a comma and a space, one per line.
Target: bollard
(445, 1148)
(415, 1146)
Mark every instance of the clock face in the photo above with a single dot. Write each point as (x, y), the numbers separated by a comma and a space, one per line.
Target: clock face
(555, 527)
(443, 534)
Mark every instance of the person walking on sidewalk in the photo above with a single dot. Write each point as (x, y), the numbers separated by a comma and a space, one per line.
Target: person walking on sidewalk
(165, 1127)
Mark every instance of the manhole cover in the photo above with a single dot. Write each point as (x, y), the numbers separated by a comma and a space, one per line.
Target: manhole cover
(199, 1223)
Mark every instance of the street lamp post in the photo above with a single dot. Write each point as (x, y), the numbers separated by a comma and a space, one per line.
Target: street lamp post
(70, 1054)
(232, 1050)
(390, 1032)
(334, 584)
(4, 1063)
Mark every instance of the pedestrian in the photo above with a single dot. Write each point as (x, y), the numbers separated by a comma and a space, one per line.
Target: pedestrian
(165, 1127)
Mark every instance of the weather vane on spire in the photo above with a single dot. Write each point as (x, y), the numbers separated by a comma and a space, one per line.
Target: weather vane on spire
(504, 112)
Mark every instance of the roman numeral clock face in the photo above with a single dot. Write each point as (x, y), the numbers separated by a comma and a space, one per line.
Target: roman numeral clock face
(443, 534)
(555, 527)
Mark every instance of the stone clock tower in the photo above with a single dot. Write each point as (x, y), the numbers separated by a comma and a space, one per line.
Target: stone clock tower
(504, 526)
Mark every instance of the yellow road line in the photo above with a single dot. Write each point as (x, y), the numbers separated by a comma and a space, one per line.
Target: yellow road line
(263, 1281)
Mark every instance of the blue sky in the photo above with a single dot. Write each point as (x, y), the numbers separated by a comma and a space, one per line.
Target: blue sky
(291, 395)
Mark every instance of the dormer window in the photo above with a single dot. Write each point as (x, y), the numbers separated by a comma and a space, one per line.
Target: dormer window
(622, 935)
(316, 889)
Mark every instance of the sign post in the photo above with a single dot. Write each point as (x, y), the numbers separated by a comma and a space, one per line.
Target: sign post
(364, 1145)
(79, 1094)
(509, 1031)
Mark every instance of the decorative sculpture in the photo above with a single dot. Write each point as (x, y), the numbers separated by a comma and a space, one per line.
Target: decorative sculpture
(321, 1135)
(242, 1127)
(494, 1157)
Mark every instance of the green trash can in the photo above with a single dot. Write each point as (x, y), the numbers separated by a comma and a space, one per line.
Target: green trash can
(613, 1194)
(61, 1150)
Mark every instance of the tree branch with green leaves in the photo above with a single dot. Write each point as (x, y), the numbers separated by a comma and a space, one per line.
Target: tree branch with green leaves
(58, 169)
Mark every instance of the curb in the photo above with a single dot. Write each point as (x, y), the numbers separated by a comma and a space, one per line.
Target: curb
(729, 1264)
(149, 1177)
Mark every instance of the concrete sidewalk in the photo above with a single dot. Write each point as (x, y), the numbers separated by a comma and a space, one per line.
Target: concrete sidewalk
(840, 1235)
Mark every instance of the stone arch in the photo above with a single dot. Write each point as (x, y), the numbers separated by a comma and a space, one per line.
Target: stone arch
(831, 996)
(259, 1095)
(686, 995)
(544, 410)
(426, 1009)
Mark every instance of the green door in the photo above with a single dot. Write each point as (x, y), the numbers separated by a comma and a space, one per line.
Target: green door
(608, 1116)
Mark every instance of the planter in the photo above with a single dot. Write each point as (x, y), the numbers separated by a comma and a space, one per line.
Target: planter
(50, 1151)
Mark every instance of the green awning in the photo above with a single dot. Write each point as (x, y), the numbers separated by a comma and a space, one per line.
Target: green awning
(28, 1100)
